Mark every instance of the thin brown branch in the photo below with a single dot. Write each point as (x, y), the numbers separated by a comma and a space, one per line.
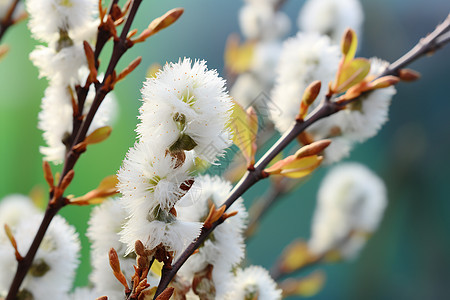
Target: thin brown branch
(426, 45)
(56, 204)
(24, 265)
(248, 180)
(120, 47)
(278, 190)
(8, 19)
(103, 34)
(325, 109)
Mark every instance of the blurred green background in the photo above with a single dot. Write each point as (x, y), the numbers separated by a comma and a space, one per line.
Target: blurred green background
(408, 258)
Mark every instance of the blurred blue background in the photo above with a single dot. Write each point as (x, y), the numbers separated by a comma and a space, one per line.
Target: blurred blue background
(407, 258)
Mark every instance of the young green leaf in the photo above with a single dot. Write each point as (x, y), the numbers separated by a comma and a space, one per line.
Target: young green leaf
(351, 74)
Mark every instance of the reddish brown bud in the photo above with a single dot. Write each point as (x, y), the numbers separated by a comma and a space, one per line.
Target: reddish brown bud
(114, 261)
(79, 148)
(139, 248)
(109, 26)
(228, 215)
(166, 20)
(75, 109)
(12, 239)
(346, 41)
(48, 174)
(218, 213)
(349, 43)
(313, 149)
(408, 75)
(141, 287)
(166, 294)
(207, 222)
(310, 94)
(130, 68)
(312, 91)
(384, 82)
(67, 180)
(160, 23)
(305, 138)
(214, 214)
(106, 188)
(115, 266)
(142, 262)
(116, 12)
(101, 13)
(132, 33)
(126, 7)
(108, 83)
(91, 61)
(98, 135)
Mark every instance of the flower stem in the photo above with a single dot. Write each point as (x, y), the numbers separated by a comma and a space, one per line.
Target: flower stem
(8, 19)
(72, 157)
(426, 45)
(326, 108)
(24, 265)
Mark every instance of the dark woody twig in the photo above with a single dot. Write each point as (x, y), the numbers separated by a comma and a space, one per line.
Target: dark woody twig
(8, 19)
(55, 205)
(434, 41)
(326, 108)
